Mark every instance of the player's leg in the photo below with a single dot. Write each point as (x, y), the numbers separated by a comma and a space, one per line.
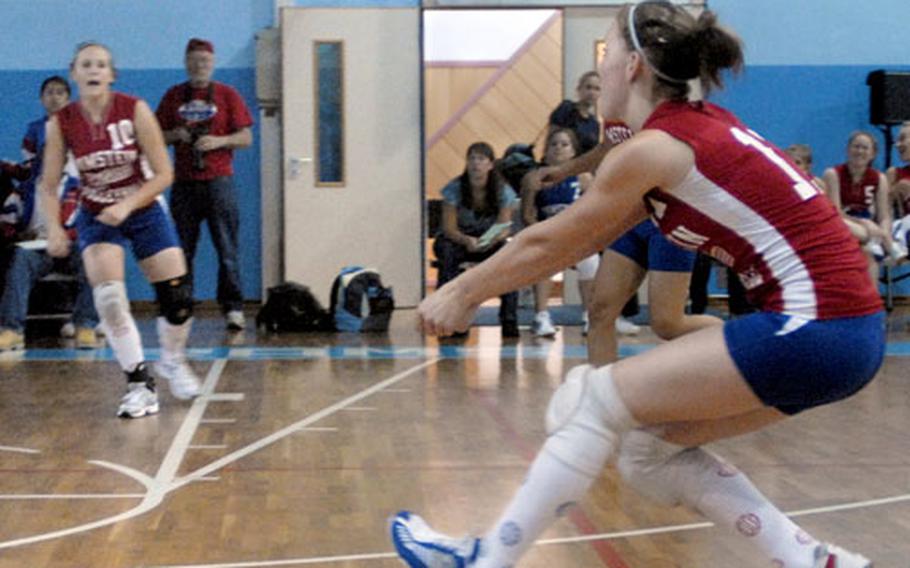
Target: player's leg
(693, 378)
(162, 260)
(617, 279)
(104, 263)
(587, 272)
(543, 323)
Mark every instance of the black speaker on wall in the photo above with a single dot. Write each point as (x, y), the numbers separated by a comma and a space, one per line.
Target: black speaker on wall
(889, 96)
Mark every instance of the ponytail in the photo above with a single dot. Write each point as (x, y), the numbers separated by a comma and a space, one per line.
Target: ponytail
(679, 48)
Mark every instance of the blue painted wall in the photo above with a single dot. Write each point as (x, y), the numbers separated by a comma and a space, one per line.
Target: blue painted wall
(147, 39)
(806, 67)
(804, 81)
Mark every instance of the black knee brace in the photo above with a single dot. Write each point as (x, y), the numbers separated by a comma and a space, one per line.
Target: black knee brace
(175, 299)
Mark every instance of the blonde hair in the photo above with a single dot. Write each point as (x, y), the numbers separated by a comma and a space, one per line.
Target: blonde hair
(82, 46)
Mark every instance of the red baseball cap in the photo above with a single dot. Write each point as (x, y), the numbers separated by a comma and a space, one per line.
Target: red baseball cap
(197, 44)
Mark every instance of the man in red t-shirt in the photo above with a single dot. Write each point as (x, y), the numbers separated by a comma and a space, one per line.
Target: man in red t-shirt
(205, 120)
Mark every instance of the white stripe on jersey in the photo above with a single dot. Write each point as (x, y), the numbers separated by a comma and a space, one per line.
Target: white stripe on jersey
(785, 265)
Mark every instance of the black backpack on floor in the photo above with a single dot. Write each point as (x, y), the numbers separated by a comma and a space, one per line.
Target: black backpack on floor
(292, 307)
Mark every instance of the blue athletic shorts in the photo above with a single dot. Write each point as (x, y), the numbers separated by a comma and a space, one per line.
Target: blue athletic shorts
(794, 364)
(149, 231)
(648, 248)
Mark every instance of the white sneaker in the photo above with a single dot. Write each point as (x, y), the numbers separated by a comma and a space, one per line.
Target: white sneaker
(898, 252)
(235, 320)
(68, 330)
(181, 379)
(543, 325)
(138, 401)
(875, 248)
(830, 556)
(625, 327)
(419, 546)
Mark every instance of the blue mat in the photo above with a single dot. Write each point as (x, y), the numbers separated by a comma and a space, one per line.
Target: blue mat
(565, 315)
(562, 315)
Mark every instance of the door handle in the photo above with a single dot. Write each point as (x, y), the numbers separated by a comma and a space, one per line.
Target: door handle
(295, 165)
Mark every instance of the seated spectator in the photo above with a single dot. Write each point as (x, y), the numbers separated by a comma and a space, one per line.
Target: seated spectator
(30, 260)
(472, 204)
(865, 233)
(861, 193)
(899, 176)
(540, 203)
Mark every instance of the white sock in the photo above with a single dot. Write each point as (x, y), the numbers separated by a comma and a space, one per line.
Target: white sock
(172, 339)
(585, 419)
(725, 495)
(548, 492)
(125, 342)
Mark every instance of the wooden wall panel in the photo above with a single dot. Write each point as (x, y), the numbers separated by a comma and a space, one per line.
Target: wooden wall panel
(515, 108)
(447, 89)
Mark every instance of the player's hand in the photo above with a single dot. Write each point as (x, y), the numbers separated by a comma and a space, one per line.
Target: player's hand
(115, 214)
(548, 175)
(445, 311)
(473, 245)
(208, 143)
(58, 244)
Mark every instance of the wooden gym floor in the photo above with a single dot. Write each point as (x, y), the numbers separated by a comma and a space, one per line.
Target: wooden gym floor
(303, 445)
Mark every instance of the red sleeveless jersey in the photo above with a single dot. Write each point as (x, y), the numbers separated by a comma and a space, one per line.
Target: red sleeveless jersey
(747, 205)
(857, 198)
(110, 163)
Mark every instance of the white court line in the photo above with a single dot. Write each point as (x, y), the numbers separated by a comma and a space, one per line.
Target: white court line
(165, 482)
(207, 447)
(565, 540)
(295, 427)
(52, 496)
(156, 488)
(18, 450)
(318, 429)
(224, 396)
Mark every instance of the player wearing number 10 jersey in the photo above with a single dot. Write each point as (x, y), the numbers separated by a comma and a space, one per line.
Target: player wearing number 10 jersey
(124, 167)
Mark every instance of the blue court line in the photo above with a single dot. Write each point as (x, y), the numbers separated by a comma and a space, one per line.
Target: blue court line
(895, 349)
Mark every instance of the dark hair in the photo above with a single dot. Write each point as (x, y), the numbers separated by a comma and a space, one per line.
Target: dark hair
(55, 79)
(678, 47)
(573, 139)
(494, 185)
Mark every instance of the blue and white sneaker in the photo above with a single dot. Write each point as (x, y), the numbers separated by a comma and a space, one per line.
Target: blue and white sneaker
(419, 546)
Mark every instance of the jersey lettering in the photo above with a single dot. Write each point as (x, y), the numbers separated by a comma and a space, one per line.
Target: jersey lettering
(804, 188)
(122, 134)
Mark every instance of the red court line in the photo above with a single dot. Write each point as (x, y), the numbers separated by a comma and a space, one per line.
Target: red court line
(608, 555)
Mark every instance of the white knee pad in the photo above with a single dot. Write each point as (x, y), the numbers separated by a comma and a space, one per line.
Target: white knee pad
(585, 418)
(111, 303)
(587, 268)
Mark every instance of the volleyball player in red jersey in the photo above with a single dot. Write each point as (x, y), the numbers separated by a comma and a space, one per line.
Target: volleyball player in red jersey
(899, 176)
(702, 175)
(861, 192)
(124, 167)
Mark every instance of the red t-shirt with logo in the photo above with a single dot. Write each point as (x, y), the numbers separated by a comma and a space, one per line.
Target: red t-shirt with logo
(218, 110)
